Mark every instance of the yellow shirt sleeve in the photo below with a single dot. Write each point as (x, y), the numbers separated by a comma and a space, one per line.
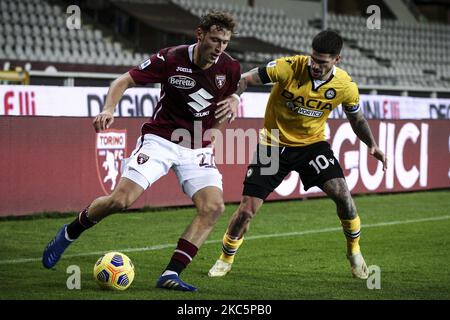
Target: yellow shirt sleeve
(280, 70)
(351, 98)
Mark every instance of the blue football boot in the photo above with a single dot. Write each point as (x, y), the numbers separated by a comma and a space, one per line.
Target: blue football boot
(173, 282)
(55, 248)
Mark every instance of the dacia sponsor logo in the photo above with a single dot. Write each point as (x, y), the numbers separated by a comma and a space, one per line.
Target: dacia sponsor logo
(297, 104)
(182, 82)
(182, 69)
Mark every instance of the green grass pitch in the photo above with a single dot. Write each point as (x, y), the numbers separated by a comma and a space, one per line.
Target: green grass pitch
(295, 250)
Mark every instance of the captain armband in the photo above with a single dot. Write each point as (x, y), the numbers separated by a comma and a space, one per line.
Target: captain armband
(351, 109)
(263, 75)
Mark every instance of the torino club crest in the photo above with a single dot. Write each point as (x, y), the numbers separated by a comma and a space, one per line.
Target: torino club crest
(220, 80)
(111, 148)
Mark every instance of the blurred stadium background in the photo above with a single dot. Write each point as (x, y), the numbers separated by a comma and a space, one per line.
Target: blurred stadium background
(408, 53)
(50, 160)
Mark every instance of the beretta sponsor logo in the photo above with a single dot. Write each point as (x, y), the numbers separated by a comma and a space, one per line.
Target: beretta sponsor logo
(182, 82)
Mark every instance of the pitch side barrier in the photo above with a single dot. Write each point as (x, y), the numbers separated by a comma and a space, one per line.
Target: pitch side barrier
(61, 164)
(140, 102)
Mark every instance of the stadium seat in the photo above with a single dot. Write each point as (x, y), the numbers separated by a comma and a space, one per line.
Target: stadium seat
(396, 51)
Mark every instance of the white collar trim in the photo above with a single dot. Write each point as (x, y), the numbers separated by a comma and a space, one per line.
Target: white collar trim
(191, 52)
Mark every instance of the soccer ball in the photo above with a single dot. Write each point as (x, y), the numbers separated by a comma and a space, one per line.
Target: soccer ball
(114, 271)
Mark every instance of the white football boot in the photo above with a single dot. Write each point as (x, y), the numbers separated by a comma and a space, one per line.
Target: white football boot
(220, 268)
(359, 267)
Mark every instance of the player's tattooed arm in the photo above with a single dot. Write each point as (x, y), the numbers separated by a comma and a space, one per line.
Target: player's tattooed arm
(362, 130)
(251, 78)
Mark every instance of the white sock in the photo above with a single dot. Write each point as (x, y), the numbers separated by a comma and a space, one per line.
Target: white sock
(67, 236)
(168, 272)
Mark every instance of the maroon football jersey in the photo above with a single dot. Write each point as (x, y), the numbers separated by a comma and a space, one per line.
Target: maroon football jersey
(189, 95)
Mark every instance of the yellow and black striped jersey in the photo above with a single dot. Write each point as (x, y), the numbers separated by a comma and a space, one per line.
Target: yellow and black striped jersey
(298, 105)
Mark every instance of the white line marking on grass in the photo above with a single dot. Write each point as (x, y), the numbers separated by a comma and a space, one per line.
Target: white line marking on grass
(275, 235)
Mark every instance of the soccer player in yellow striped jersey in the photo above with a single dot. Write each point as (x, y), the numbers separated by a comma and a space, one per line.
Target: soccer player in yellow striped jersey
(306, 89)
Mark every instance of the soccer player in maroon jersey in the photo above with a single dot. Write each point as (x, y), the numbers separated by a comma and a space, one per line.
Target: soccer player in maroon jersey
(195, 80)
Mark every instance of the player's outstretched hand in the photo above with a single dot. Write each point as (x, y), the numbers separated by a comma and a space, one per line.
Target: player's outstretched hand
(378, 154)
(103, 121)
(227, 109)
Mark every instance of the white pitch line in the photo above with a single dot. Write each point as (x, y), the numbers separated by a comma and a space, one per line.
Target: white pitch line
(275, 235)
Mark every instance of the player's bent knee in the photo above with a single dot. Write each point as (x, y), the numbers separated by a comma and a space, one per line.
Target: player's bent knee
(210, 213)
(213, 208)
(120, 202)
(118, 205)
(221, 208)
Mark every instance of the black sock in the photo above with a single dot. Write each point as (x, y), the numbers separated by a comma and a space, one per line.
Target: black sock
(79, 225)
(175, 265)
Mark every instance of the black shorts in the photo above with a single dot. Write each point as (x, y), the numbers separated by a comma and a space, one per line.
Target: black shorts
(315, 163)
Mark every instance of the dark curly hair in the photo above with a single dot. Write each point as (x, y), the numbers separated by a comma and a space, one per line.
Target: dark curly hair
(327, 41)
(223, 20)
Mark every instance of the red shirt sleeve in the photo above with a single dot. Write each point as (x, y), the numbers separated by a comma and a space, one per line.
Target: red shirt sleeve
(235, 77)
(152, 70)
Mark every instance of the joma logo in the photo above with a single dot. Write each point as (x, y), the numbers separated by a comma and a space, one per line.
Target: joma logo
(182, 69)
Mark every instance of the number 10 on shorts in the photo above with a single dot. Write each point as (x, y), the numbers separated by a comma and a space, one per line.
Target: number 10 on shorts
(321, 163)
